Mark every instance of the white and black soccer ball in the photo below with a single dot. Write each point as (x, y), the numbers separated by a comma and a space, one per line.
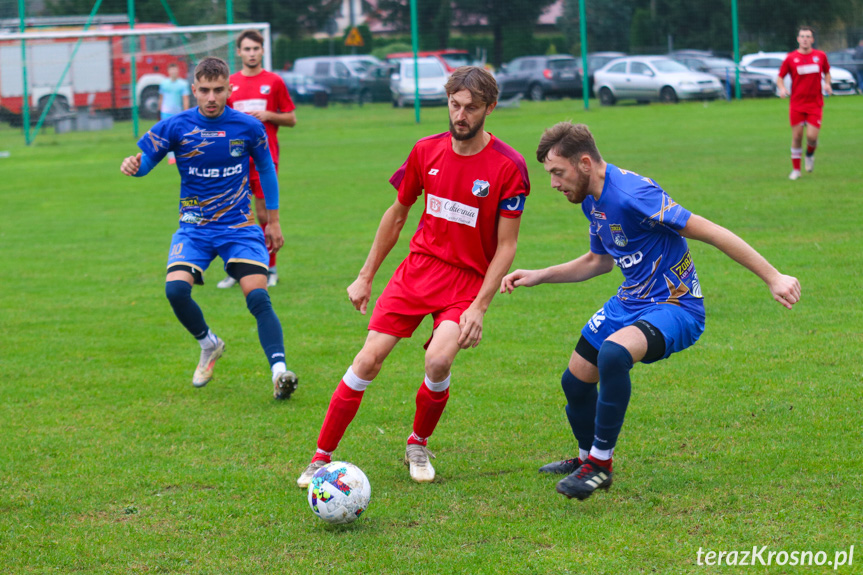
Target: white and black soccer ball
(339, 492)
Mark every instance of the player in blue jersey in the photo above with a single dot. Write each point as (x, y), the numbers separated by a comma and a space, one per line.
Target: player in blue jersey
(213, 145)
(657, 311)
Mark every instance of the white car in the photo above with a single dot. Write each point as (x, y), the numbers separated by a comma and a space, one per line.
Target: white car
(646, 78)
(432, 77)
(841, 80)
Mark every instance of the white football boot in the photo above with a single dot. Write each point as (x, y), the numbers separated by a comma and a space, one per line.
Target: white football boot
(417, 458)
(795, 174)
(204, 371)
(306, 476)
(810, 163)
(226, 283)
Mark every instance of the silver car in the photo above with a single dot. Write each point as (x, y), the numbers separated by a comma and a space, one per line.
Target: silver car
(646, 78)
(432, 77)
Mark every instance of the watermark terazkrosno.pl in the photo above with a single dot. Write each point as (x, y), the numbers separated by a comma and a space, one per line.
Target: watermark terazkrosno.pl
(764, 556)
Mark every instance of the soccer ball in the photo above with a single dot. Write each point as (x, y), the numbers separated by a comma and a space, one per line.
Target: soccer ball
(339, 492)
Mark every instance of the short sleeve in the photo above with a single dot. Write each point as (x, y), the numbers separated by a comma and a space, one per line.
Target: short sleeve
(408, 180)
(785, 68)
(260, 145)
(158, 141)
(284, 103)
(186, 90)
(654, 206)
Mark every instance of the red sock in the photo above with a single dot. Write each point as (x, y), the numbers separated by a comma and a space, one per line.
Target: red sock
(342, 410)
(272, 255)
(430, 406)
(604, 463)
(810, 150)
(795, 163)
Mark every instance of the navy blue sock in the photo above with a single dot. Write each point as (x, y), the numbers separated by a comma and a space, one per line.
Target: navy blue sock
(269, 327)
(614, 362)
(580, 408)
(179, 293)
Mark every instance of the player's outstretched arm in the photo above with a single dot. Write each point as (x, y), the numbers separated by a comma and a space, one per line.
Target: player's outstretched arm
(785, 289)
(131, 165)
(580, 269)
(392, 222)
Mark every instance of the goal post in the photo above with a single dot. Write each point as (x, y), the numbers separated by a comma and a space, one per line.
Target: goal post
(73, 72)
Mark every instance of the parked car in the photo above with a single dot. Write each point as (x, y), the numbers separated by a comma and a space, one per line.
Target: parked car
(375, 83)
(646, 78)
(752, 84)
(339, 74)
(595, 61)
(451, 58)
(541, 76)
(845, 59)
(303, 89)
(841, 80)
(432, 77)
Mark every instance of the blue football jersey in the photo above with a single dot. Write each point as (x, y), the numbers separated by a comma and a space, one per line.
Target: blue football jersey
(213, 161)
(636, 223)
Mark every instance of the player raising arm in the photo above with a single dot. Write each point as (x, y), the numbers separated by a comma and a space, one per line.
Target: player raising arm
(658, 310)
(475, 188)
(213, 145)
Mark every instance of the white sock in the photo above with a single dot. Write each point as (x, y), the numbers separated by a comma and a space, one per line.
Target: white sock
(209, 341)
(582, 454)
(603, 454)
(279, 367)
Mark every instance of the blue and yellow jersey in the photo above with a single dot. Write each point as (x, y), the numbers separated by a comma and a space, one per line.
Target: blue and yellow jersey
(213, 161)
(637, 223)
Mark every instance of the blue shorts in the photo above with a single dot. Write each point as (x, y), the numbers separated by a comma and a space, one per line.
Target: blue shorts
(196, 247)
(678, 327)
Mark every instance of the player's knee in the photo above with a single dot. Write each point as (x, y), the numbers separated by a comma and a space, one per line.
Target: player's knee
(178, 291)
(438, 367)
(613, 356)
(573, 387)
(258, 302)
(367, 364)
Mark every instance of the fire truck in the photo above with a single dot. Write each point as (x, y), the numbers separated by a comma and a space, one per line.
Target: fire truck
(99, 77)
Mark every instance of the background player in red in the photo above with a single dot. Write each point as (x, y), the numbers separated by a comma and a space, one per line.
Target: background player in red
(475, 188)
(261, 94)
(806, 66)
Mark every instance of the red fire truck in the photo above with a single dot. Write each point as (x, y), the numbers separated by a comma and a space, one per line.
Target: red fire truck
(99, 76)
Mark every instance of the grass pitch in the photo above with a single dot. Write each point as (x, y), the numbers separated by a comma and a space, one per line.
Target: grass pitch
(110, 462)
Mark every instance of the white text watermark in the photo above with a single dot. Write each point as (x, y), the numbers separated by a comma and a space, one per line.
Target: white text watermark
(763, 556)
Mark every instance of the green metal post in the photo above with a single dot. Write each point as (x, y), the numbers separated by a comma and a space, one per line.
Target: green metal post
(416, 49)
(229, 19)
(25, 106)
(736, 49)
(582, 30)
(133, 56)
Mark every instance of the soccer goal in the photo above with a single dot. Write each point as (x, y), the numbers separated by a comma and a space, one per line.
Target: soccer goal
(73, 76)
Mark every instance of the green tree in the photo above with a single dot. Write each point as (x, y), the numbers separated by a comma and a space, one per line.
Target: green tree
(433, 18)
(514, 20)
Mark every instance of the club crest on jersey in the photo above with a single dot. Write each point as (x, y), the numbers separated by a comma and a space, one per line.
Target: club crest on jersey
(265, 89)
(237, 148)
(617, 235)
(480, 188)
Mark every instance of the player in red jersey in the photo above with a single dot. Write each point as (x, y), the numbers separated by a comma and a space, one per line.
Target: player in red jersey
(806, 66)
(475, 189)
(261, 94)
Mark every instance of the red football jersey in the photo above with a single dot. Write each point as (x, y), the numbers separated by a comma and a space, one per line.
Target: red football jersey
(463, 198)
(806, 71)
(265, 91)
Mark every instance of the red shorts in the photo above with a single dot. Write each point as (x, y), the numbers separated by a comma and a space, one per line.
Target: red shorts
(255, 183)
(811, 118)
(423, 285)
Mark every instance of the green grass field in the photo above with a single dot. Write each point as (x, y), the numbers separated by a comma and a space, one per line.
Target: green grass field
(110, 462)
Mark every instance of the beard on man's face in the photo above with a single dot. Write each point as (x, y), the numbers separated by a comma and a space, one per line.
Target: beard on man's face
(471, 132)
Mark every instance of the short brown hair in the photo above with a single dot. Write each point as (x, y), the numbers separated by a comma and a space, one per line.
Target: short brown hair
(211, 68)
(809, 28)
(568, 140)
(478, 81)
(252, 35)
